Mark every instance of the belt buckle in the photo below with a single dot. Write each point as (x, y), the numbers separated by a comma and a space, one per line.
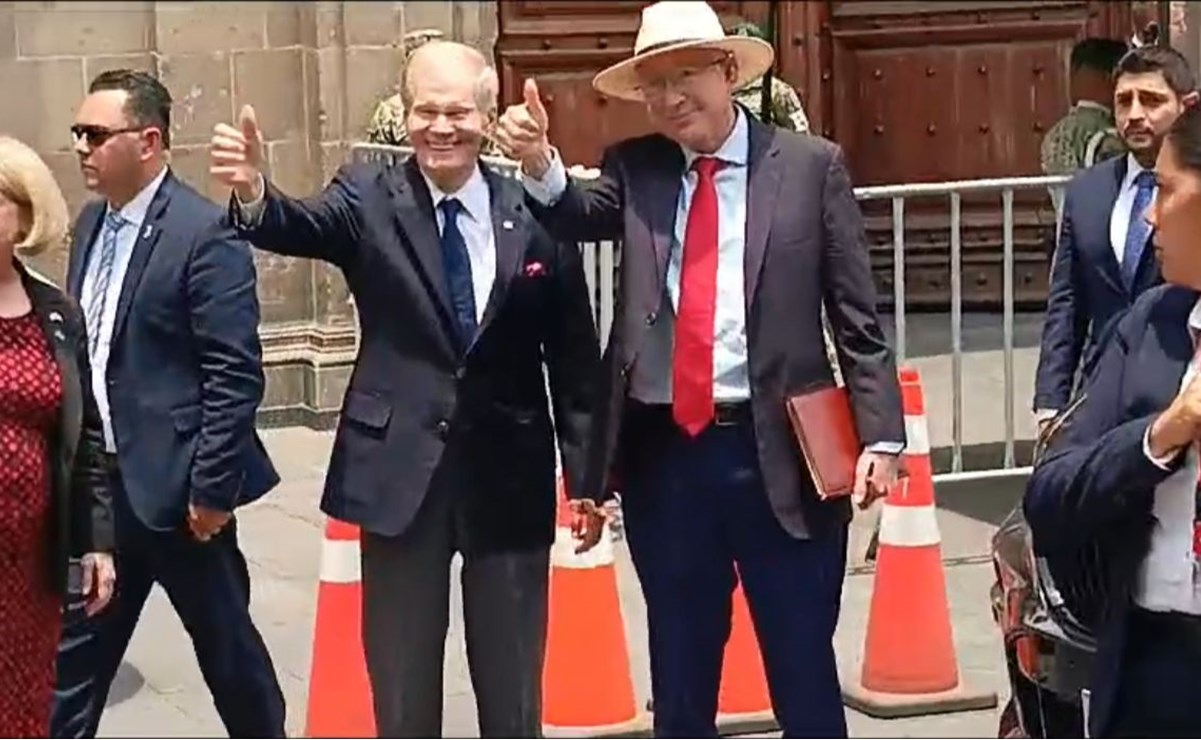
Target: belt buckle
(724, 415)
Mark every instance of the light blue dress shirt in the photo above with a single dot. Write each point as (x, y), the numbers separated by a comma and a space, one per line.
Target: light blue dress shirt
(134, 213)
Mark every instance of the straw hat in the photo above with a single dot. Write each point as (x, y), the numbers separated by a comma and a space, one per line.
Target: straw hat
(675, 25)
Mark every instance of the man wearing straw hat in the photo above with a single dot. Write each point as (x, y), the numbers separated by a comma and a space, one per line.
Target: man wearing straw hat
(733, 234)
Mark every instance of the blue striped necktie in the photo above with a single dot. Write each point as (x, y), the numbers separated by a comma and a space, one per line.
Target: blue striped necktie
(1139, 230)
(113, 223)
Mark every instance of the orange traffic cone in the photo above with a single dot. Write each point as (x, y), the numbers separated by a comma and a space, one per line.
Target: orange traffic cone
(743, 701)
(587, 690)
(909, 664)
(339, 703)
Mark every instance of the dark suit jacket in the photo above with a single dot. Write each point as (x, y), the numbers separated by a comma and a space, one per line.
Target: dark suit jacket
(412, 389)
(1097, 489)
(804, 243)
(185, 373)
(1086, 283)
(80, 506)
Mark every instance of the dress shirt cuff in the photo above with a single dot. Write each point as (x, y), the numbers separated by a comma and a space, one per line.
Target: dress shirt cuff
(886, 448)
(549, 188)
(1042, 415)
(1163, 463)
(250, 214)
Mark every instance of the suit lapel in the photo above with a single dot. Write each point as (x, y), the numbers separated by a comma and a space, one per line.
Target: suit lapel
(510, 232)
(84, 237)
(763, 184)
(52, 315)
(1110, 267)
(661, 186)
(418, 227)
(143, 248)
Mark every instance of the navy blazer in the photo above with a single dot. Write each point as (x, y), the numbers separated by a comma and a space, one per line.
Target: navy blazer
(184, 376)
(1097, 489)
(1086, 292)
(413, 390)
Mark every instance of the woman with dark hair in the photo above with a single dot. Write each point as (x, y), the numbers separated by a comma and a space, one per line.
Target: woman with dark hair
(1123, 479)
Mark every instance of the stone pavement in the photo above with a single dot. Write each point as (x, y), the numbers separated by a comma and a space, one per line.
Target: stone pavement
(159, 690)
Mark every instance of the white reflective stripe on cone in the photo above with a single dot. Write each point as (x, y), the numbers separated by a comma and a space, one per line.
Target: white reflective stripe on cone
(340, 561)
(909, 526)
(563, 554)
(917, 435)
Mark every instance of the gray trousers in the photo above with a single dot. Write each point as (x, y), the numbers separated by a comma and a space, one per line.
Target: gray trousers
(406, 615)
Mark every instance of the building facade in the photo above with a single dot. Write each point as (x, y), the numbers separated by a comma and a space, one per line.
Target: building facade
(313, 71)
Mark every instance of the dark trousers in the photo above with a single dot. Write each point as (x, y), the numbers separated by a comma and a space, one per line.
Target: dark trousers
(406, 615)
(697, 519)
(1159, 688)
(209, 586)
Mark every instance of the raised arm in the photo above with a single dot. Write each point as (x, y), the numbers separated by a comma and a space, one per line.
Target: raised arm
(572, 209)
(323, 227)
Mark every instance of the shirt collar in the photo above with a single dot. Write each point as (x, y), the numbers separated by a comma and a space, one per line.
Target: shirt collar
(1133, 168)
(134, 212)
(734, 149)
(1194, 319)
(473, 195)
(1094, 105)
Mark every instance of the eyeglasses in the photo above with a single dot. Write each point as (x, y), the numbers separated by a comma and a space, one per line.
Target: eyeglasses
(97, 135)
(679, 79)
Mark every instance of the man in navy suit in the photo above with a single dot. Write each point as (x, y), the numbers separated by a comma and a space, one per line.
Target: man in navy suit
(1103, 262)
(172, 317)
(1117, 500)
(446, 441)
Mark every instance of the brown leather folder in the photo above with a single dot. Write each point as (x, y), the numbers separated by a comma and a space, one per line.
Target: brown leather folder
(829, 443)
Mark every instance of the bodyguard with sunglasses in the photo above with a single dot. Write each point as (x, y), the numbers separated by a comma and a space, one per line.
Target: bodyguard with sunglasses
(172, 319)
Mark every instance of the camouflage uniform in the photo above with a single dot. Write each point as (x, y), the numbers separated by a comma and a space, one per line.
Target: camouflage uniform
(1082, 138)
(387, 124)
(786, 110)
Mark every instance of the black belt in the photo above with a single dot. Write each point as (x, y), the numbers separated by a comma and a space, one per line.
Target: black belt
(1176, 628)
(109, 462)
(725, 414)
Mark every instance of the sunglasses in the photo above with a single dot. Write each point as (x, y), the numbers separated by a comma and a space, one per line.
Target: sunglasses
(97, 135)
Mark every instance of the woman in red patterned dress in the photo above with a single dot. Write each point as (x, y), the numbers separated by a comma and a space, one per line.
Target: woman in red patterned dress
(54, 501)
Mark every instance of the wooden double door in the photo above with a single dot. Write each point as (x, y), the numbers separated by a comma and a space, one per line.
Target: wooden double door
(912, 91)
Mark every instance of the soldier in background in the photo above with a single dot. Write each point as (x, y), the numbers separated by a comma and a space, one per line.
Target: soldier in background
(387, 124)
(1087, 134)
(786, 109)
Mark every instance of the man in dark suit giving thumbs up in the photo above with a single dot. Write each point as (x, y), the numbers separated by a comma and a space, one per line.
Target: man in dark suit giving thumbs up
(445, 442)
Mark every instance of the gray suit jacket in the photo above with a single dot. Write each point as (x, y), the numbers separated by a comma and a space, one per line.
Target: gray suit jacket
(805, 243)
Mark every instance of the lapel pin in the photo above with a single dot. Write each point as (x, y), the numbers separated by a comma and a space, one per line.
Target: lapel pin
(506, 225)
(58, 334)
(56, 316)
(146, 231)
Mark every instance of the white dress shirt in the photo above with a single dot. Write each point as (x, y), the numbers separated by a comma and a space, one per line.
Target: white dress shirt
(475, 223)
(1119, 217)
(1168, 578)
(134, 213)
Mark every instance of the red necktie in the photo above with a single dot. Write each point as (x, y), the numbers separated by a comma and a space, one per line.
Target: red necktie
(692, 359)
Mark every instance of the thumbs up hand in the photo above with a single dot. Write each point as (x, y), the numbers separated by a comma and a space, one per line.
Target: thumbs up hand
(522, 130)
(236, 156)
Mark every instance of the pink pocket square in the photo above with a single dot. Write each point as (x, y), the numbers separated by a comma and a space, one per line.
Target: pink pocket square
(535, 269)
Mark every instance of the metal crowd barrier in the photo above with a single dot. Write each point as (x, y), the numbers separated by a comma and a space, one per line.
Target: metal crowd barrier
(601, 260)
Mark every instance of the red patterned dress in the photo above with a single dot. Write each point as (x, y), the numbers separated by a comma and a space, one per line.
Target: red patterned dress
(30, 395)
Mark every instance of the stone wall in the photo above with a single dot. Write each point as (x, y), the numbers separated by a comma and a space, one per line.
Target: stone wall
(314, 72)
